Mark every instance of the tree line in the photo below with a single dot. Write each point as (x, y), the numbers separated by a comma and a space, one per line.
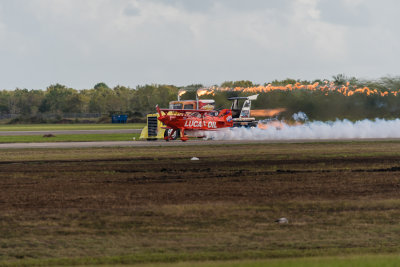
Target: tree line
(141, 100)
(60, 99)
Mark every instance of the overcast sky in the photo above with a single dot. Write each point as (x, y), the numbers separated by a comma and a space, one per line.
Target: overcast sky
(79, 43)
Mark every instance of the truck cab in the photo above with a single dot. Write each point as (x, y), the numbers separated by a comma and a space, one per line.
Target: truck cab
(206, 104)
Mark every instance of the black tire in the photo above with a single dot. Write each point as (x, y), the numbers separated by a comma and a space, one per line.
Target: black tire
(175, 136)
(253, 124)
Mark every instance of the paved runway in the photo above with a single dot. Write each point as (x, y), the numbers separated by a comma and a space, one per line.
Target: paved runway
(171, 143)
(55, 132)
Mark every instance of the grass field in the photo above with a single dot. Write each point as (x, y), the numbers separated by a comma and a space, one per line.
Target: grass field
(153, 205)
(371, 260)
(357, 260)
(47, 127)
(69, 138)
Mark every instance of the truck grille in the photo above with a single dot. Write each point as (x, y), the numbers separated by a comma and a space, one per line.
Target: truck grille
(152, 123)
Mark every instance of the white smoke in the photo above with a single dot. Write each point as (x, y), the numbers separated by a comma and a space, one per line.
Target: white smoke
(339, 129)
(300, 116)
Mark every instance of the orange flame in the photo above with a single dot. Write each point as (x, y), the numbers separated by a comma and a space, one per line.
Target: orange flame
(205, 91)
(266, 112)
(181, 92)
(326, 87)
(276, 124)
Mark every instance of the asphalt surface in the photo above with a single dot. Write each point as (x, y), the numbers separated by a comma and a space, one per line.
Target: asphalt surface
(134, 143)
(7, 133)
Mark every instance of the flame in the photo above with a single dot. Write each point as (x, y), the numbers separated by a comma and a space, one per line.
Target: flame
(276, 124)
(205, 91)
(181, 92)
(326, 87)
(266, 112)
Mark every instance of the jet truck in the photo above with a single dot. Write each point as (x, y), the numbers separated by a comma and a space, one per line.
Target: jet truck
(193, 116)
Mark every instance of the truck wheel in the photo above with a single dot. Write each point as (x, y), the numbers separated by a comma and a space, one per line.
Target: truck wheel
(175, 135)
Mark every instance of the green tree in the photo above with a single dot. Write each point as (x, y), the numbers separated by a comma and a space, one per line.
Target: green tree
(4, 102)
(100, 99)
(101, 85)
(123, 98)
(242, 83)
(60, 99)
(340, 79)
(284, 82)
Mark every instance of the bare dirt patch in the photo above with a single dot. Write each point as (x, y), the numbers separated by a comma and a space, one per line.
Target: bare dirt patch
(227, 202)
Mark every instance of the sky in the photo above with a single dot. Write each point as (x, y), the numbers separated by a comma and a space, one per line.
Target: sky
(80, 43)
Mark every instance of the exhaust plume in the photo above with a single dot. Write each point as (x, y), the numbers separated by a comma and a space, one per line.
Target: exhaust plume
(205, 91)
(266, 112)
(339, 129)
(325, 87)
(300, 116)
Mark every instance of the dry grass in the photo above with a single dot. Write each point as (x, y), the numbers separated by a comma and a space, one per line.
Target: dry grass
(119, 205)
(274, 151)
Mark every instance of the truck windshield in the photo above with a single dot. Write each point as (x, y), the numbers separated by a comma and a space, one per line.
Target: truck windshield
(175, 106)
(188, 106)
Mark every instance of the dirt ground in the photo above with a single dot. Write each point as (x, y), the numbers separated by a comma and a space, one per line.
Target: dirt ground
(226, 202)
(101, 184)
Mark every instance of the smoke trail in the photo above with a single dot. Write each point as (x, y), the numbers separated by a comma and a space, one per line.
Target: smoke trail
(300, 116)
(339, 129)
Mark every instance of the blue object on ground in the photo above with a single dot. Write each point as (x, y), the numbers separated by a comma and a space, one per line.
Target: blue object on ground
(119, 118)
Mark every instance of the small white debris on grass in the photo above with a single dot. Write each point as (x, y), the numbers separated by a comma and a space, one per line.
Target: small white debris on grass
(282, 220)
(194, 158)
